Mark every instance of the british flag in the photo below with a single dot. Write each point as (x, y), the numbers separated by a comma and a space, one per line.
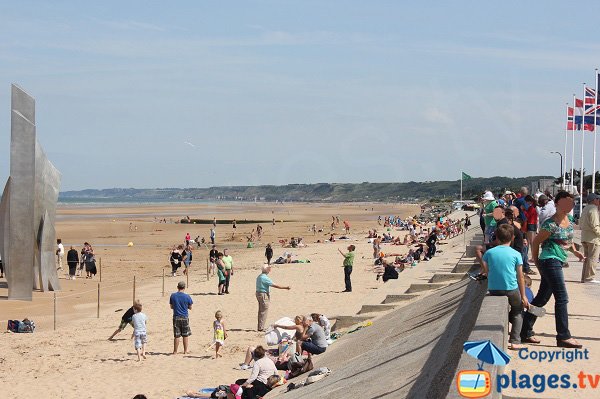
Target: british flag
(590, 95)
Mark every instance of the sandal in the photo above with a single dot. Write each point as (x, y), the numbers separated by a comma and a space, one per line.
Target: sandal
(530, 340)
(568, 343)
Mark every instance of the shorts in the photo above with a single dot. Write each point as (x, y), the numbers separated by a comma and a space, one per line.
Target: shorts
(489, 232)
(140, 339)
(181, 327)
(531, 227)
(124, 324)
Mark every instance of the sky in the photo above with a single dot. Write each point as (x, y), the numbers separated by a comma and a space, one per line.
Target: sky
(195, 93)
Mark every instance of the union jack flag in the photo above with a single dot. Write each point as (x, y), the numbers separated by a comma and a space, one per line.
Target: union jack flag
(590, 95)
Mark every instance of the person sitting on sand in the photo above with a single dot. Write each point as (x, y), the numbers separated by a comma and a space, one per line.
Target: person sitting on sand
(323, 322)
(431, 244)
(232, 391)
(298, 327)
(280, 359)
(313, 338)
(263, 368)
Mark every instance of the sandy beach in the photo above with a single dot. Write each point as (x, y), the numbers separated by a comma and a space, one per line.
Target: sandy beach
(79, 361)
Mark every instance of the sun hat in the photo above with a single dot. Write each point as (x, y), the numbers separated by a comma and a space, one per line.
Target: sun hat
(488, 196)
(236, 390)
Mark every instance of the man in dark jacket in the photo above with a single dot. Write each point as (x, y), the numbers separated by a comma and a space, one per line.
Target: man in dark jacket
(72, 261)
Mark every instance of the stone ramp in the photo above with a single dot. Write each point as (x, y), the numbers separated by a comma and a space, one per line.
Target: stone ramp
(411, 352)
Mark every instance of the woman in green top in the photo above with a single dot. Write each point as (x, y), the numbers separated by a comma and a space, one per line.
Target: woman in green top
(348, 263)
(555, 238)
(221, 273)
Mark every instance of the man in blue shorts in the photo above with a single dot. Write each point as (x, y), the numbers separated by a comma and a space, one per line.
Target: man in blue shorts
(181, 303)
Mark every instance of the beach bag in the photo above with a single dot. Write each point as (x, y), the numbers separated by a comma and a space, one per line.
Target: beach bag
(271, 337)
(13, 326)
(26, 326)
(299, 368)
(295, 360)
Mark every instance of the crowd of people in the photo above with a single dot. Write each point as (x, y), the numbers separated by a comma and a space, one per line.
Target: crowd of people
(312, 334)
(78, 262)
(516, 225)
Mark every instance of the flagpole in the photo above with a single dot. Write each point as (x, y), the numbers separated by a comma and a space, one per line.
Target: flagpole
(562, 178)
(573, 146)
(581, 174)
(461, 175)
(594, 161)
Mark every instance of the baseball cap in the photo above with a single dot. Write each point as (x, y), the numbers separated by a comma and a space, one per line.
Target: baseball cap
(236, 390)
(592, 196)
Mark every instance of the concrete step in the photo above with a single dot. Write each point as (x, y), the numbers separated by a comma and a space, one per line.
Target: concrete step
(399, 298)
(375, 308)
(450, 277)
(420, 287)
(470, 252)
(347, 321)
(464, 267)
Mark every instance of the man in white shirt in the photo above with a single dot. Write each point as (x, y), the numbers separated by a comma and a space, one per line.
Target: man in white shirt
(546, 209)
(60, 253)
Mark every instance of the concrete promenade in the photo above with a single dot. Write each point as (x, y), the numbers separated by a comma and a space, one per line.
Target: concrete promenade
(584, 324)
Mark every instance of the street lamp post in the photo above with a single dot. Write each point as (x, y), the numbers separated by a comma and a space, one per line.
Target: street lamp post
(562, 176)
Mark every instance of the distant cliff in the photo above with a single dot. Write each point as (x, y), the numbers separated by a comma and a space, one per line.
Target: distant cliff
(319, 192)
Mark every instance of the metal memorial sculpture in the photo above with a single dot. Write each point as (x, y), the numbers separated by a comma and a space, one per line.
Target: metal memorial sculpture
(28, 207)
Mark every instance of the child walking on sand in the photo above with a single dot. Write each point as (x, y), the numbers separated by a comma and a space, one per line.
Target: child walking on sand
(220, 333)
(139, 320)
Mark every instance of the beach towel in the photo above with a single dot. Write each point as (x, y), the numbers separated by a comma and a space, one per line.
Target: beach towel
(218, 392)
(317, 375)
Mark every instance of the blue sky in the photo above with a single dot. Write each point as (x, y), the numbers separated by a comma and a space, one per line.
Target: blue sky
(276, 92)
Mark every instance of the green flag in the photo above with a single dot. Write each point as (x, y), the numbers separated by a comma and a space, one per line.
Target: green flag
(466, 176)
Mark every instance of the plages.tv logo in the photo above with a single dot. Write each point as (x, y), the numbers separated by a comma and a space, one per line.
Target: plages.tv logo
(478, 383)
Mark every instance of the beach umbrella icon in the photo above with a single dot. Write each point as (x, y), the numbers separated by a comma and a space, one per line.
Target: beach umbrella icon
(486, 352)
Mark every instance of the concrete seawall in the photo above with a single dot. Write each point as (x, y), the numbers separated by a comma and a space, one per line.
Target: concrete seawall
(412, 352)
